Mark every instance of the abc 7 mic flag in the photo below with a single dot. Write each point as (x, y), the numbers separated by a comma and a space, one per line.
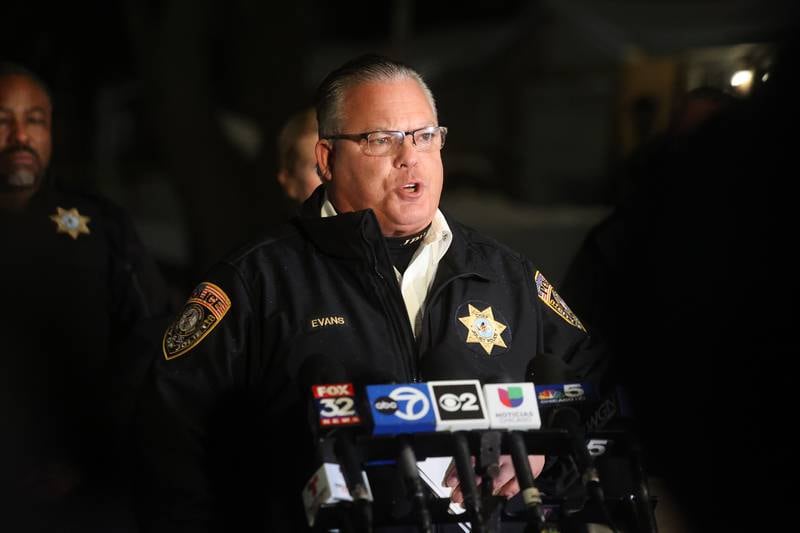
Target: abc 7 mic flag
(400, 409)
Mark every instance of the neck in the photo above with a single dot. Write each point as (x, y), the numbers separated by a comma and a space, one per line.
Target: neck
(15, 201)
(407, 240)
(402, 249)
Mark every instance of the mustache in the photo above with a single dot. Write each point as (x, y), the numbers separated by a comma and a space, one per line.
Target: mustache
(13, 149)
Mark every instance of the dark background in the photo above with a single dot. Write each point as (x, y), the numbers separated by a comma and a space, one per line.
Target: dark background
(172, 108)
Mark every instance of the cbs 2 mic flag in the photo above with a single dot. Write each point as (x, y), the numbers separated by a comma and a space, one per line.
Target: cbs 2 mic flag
(458, 405)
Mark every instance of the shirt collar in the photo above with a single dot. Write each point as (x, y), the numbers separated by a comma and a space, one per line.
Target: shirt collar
(439, 232)
(327, 207)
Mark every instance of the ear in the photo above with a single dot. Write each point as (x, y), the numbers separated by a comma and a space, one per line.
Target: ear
(324, 152)
(283, 177)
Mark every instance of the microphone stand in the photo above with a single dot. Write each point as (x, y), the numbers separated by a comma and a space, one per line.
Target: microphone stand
(466, 478)
(407, 463)
(490, 469)
(530, 493)
(351, 469)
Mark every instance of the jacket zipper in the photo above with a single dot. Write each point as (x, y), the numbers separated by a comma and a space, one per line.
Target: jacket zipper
(404, 336)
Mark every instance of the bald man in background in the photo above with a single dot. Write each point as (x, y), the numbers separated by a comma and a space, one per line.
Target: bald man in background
(298, 165)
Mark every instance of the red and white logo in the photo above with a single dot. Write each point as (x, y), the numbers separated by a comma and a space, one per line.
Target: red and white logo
(333, 390)
(335, 404)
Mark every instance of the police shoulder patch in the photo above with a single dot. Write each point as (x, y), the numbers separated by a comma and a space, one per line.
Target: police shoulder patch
(549, 296)
(203, 311)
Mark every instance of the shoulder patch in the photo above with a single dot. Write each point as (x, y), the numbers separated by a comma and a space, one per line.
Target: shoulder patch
(203, 311)
(550, 297)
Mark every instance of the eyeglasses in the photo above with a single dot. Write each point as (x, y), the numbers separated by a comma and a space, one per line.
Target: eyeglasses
(381, 143)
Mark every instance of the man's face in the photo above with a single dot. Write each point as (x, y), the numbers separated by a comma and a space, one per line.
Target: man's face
(25, 142)
(402, 189)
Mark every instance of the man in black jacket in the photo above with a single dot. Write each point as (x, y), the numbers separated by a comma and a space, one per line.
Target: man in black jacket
(372, 274)
(76, 282)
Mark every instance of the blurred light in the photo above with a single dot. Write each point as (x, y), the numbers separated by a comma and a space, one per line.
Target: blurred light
(765, 77)
(742, 78)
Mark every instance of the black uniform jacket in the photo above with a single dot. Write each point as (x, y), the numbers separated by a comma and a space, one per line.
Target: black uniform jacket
(76, 281)
(223, 411)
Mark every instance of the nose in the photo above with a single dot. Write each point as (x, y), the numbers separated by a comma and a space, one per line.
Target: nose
(18, 134)
(407, 154)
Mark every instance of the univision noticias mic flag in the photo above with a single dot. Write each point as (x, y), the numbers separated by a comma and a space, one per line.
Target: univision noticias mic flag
(512, 406)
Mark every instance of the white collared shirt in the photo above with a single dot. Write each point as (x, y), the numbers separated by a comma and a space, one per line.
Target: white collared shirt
(416, 282)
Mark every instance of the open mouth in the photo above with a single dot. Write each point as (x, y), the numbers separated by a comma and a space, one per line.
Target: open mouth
(411, 187)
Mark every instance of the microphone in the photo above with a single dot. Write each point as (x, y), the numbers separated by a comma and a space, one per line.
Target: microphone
(407, 463)
(335, 411)
(324, 488)
(568, 418)
(512, 406)
(549, 368)
(459, 406)
(404, 409)
(614, 412)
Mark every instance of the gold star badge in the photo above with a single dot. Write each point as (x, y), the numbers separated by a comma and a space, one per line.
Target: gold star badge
(483, 328)
(71, 222)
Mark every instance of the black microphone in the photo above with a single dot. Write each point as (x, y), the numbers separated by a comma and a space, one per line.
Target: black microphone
(407, 464)
(546, 368)
(403, 409)
(513, 407)
(459, 406)
(531, 496)
(334, 410)
(466, 477)
(568, 418)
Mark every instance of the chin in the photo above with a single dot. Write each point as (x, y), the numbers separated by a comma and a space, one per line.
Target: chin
(22, 179)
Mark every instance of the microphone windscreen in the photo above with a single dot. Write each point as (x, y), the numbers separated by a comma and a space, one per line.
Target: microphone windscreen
(565, 418)
(547, 368)
(320, 368)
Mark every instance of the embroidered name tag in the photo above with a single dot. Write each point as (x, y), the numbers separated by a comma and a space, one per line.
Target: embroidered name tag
(324, 321)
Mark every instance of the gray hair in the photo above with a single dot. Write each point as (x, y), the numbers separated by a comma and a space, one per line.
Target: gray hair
(363, 69)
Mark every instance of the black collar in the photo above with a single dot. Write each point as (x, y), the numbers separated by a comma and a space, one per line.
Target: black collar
(354, 235)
